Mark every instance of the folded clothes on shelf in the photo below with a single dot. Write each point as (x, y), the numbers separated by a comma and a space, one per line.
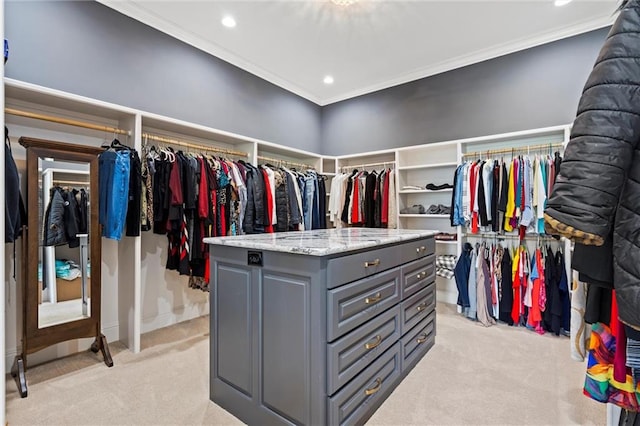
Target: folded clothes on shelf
(445, 264)
(410, 187)
(447, 261)
(415, 209)
(446, 236)
(438, 209)
(444, 272)
(434, 187)
(419, 209)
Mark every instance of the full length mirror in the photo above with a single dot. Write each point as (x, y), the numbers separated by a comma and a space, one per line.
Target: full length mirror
(64, 261)
(62, 254)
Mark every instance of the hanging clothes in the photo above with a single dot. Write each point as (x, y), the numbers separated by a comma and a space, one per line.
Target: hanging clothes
(15, 215)
(483, 291)
(515, 286)
(506, 287)
(363, 198)
(461, 273)
(503, 196)
(114, 167)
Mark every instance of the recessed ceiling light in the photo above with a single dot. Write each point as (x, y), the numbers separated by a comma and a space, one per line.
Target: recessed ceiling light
(229, 22)
(343, 3)
(561, 2)
(328, 79)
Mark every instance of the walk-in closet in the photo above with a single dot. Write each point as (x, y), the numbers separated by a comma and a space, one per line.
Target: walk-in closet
(325, 212)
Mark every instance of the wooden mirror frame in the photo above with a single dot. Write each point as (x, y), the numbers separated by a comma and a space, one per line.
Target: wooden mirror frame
(35, 338)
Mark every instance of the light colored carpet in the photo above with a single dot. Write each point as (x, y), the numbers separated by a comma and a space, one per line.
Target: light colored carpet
(473, 375)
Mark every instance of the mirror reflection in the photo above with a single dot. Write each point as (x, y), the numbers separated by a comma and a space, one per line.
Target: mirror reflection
(64, 266)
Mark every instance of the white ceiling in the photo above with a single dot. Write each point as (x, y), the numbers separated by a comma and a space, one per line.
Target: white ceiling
(367, 46)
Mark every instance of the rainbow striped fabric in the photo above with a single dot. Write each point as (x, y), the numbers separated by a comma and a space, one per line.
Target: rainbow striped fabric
(599, 383)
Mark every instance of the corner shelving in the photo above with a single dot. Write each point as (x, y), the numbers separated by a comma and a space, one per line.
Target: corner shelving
(424, 191)
(139, 294)
(443, 242)
(429, 166)
(426, 216)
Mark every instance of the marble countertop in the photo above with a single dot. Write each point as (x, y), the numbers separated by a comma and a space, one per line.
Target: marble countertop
(321, 242)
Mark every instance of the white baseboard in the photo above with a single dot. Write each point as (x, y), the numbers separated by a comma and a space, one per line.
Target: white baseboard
(446, 290)
(178, 314)
(447, 297)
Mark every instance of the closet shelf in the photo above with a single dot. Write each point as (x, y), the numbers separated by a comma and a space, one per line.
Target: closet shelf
(438, 216)
(447, 242)
(429, 166)
(445, 278)
(423, 191)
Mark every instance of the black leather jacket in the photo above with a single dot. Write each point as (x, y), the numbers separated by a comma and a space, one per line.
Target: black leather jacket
(597, 193)
(253, 222)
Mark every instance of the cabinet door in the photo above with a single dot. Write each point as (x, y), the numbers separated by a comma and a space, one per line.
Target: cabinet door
(286, 345)
(232, 332)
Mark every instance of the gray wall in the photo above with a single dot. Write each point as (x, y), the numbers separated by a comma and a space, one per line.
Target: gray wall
(534, 88)
(88, 49)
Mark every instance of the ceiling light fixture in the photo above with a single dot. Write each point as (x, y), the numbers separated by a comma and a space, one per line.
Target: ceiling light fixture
(344, 3)
(561, 2)
(328, 79)
(229, 22)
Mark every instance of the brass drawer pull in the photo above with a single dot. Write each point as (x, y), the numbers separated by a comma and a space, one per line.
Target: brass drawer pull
(421, 275)
(374, 389)
(374, 263)
(422, 338)
(421, 307)
(421, 248)
(373, 299)
(378, 340)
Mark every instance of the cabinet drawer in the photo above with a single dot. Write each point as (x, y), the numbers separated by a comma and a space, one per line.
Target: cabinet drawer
(360, 397)
(418, 341)
(352, 353)
(356, 303)
(417, 249)
(418, 306)
(341, 270)
(417, 274)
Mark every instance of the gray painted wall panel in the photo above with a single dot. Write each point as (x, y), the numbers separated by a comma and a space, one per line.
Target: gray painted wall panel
(534, 88)
(91, 50)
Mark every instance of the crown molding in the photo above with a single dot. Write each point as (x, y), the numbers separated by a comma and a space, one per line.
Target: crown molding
(476, 57)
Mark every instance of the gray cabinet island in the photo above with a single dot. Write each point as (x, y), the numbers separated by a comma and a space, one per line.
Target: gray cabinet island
(318, 327)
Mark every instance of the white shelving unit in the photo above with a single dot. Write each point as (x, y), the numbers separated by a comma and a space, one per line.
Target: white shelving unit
(139, 294)
(426, 216)
(436, 163)
(424, 191)
(418, 166)
(429, 166)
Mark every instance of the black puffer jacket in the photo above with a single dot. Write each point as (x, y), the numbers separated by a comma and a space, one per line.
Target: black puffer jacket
(54, 232)
(282, 202)
(254, 214)
(597, 193)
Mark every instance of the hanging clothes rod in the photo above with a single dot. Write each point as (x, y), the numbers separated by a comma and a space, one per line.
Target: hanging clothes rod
(67, 121)
(492, 236)
(287, 162)
(527, 148)
(71, 182)
(363, 166)
(170, 141)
